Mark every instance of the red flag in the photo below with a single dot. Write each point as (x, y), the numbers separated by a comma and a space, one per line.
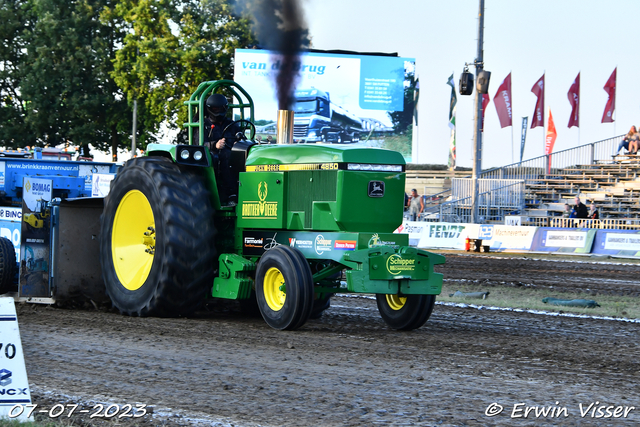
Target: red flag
(502, 101)
(485, 102)
(538, 113)
(574, 100)
(610, 88)
(550, 139)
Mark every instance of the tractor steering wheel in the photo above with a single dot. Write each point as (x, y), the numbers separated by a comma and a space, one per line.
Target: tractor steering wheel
(244, 125)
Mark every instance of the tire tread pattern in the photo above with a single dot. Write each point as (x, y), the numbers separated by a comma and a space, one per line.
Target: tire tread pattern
(415, 312)
(299, 282)
(186, 249)
(7, 265)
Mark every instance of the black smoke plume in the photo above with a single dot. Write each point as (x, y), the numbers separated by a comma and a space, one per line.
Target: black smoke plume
(279, 26)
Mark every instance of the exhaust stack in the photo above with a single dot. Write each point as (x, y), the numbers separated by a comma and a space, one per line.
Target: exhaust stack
(284, 133)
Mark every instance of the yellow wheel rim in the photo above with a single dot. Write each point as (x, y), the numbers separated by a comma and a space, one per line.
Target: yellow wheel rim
(396, 302)
(133, 240)
(274, 287)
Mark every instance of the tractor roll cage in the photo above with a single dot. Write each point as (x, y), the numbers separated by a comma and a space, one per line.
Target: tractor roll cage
(196, 105)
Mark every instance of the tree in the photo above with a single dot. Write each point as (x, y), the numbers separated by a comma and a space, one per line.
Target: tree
(15, 17)
(172, 47)
(403, 119)
(59, 85)
(71, 69)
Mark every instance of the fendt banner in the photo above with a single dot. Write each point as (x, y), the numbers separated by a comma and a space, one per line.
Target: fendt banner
(338, 98)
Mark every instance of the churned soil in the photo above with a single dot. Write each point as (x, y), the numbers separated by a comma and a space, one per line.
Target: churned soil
(348, 368)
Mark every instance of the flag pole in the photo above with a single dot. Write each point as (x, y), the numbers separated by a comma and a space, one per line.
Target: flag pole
(615, 95)
(512, 161)
(544, 111)
(579, 100)
(512, 148)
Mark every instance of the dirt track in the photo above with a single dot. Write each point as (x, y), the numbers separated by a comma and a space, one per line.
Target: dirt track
(348, 368)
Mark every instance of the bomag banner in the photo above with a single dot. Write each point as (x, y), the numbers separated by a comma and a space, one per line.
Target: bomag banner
(35, 238)
(339, 98)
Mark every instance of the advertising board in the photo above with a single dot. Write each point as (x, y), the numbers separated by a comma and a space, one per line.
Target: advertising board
(10, 226)
(440, 235)
(35, 238)
(569, 240)
(503, 237)
(14, 385)
(617, 242)
(339, 98)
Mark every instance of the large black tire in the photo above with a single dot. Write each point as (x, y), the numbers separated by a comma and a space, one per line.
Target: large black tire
(7, 266)
(167, 272)
(320, 305)
(407, 313)
(289, 310)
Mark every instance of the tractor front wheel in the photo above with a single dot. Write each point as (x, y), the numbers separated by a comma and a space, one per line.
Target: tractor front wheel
(157, 239)
(284, 288)
(405, 313)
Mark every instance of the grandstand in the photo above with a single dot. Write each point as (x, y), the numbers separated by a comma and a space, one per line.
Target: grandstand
(590, 171)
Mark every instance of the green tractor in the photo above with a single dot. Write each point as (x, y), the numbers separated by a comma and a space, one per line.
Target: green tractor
(312, 220)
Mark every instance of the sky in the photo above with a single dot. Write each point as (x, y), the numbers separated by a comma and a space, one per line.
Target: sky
(557, 38)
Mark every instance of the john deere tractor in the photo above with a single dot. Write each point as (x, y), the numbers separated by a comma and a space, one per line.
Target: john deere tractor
(312, 220)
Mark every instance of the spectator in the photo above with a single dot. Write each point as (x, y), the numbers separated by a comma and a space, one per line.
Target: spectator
(630, 142)
(581, 210)
(593, 211)
(415, 205)
(567, 211)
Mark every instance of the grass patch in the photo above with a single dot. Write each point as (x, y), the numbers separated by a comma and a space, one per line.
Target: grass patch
(531, 299)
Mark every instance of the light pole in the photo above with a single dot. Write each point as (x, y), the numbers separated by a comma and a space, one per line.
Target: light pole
(477, 135)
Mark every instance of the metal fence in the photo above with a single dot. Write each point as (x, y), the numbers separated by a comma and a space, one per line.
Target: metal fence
(602, 224)
(501, 192)
(560, 162)
(502, 189)
(493, 204)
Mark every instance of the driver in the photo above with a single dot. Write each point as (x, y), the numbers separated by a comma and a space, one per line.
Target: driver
(215, 122)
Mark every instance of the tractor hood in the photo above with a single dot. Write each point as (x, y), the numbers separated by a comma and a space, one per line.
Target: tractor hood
(314, 154)
(318, 187)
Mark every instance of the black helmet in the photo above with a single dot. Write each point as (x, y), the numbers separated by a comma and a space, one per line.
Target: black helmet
(217, 105)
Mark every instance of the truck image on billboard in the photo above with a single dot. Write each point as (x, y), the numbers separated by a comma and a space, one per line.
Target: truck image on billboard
(339, 98)
(317, 118)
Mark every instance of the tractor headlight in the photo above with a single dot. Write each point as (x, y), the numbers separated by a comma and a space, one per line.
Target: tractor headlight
(374, 167)
(192, 155)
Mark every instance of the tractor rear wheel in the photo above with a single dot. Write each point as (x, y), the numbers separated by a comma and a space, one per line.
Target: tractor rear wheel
(405, 313)
(284, 288)
(157, 239)
(7, 265)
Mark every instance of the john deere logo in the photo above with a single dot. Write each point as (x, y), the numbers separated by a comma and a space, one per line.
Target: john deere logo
(376, 241)
(376, 189)
(396, 265)
(262, 208)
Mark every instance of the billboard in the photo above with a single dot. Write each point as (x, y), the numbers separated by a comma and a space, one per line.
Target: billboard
(338, 98)
(574, 240)
(35, 237)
